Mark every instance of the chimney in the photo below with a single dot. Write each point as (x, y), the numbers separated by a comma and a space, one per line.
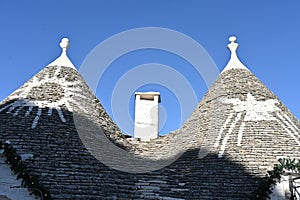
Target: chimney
(146, 115)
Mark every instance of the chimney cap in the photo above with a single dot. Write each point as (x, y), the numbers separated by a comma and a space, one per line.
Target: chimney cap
(148, 95)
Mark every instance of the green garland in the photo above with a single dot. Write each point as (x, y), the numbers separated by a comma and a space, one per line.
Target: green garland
(265, 187)
(19, 168)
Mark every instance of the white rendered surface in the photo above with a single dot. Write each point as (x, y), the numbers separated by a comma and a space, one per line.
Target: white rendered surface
(234, 62)
(8, 183)
(63, 59)
(282, 189)
(146, 115)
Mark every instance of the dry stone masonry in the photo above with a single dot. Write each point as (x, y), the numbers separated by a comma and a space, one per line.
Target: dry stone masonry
(236, 133)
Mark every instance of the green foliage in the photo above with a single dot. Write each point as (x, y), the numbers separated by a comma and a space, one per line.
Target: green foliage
(265, 187)
(19, 168)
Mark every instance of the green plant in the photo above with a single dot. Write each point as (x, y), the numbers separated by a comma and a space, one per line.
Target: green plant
(265, 187)
(19, 168)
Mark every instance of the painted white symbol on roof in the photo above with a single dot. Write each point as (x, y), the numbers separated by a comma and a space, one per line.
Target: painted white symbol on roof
(253, 110)
(38, 93)
(52, 90)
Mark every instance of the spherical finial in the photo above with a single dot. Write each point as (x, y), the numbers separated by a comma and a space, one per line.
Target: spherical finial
(232, 39)
(232, 45)
(64, 44)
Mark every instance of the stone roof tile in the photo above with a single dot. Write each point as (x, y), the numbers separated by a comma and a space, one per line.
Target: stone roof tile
(234, 135)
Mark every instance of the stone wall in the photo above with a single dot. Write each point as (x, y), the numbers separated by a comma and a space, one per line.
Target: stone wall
(213, 161)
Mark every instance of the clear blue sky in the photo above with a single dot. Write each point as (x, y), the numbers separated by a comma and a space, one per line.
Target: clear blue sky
(268, 33)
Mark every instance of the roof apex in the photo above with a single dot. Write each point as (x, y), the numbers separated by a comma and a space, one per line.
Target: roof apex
(234, 62)
(63, 59)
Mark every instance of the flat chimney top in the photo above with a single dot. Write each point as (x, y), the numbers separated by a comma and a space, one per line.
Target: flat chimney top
(148, 95)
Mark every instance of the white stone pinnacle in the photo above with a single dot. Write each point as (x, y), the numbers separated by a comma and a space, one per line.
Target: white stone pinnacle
(232, 46)
(232, 39)
(234, 62)
(64, 44)
(63, 59)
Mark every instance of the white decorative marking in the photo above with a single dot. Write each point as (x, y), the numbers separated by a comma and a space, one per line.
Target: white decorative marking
(57, 71)
(67, 104)
(291, 134)
(240, 134)
(70, 89)
(285, 124)
(78, 82)
(18, 110)
(78, 105)
(255, 110)
(284, 121)
(82, 96)
(222, 129)
(29, 85)
(50, 112)
(289, 119)
(12, 108)
(227, 136)
(6, 107)
(61, 115)
(36, 119)
(75, 89)
(28, 111)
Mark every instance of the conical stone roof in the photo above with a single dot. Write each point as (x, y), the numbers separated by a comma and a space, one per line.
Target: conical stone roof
(235, 134)
(241, 119)
(54, 91)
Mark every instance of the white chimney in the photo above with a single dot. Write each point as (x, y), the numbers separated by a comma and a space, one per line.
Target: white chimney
(146, 115)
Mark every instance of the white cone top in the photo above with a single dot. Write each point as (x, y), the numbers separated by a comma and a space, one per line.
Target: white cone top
(234, 62)
(63, 59)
